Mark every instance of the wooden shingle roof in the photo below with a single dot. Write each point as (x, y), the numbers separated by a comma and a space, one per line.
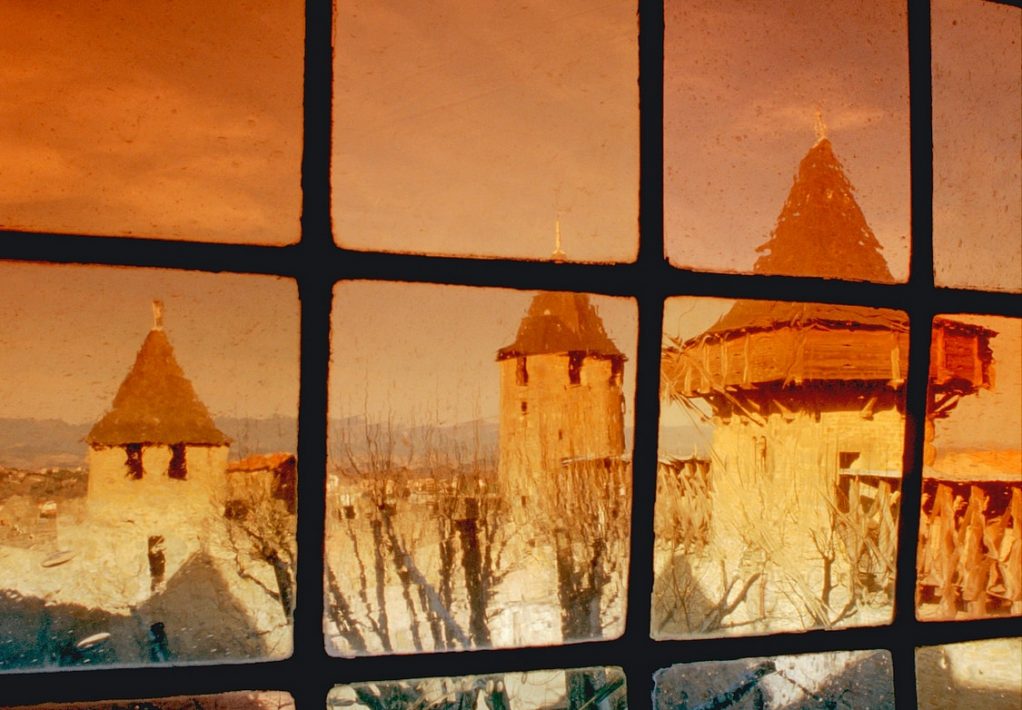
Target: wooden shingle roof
(156, 404)
(561, 322)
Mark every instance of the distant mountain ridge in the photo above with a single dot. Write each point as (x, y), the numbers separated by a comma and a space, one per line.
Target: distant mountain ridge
(34, 444)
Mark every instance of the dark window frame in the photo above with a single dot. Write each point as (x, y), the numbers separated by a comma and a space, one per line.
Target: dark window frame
(316, 263)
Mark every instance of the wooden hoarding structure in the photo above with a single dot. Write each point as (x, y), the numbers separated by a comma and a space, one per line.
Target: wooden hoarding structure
(808, 407)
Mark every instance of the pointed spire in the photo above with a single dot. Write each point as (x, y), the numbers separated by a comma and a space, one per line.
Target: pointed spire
(821, 231)
(821, 127)
(558, 254)
(157, 314)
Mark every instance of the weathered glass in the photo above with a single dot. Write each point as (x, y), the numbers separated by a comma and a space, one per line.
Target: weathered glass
(746, 85)
(479, 476)
(147, 467)
(976, 674)
(239, 700)
(177, 121)
(977, 145)
(572, 688)
(969, 561)
(779, 478)
(472, 128)
(855, 679)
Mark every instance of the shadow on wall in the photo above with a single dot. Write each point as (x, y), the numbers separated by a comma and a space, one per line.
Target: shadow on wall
(194, 618)
(681, 607)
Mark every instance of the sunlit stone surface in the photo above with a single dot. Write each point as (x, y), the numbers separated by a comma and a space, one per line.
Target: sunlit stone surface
(977, 674)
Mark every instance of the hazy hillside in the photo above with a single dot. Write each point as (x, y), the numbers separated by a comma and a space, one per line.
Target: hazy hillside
(44, 443)
(41, 443)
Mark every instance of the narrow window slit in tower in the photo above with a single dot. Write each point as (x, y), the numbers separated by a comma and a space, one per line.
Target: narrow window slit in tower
(157, 561)
(575, 359)
(133, 460)
(522, 371)
(178, 467)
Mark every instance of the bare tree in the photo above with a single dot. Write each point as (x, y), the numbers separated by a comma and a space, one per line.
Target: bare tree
(423, 508)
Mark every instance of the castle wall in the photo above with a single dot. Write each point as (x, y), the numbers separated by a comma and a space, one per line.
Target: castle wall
(775, 492)
(548, 419)
(156, 498)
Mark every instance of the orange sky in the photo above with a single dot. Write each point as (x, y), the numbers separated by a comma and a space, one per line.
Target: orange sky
(69, 335)
(467, 127)
(177, 119)
(977, 144)
(742, 83)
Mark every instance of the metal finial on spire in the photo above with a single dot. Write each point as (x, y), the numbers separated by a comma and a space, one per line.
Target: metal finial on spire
(821, 127)
(157, 315)
(558, 254)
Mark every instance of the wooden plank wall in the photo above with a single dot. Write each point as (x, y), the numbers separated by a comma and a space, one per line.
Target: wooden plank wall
(788, 355)
(794, 355)
(970, 549)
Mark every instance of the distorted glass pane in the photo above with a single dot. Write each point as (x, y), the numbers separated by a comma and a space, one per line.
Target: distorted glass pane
(575, 688)
(752, 89)
(970, 539)
(147, 468)
(179, 121)
(472, 128)
(847, 679)
(240, 700)
(977, 145)
(479, 470)
(976, 674)
(779, 476)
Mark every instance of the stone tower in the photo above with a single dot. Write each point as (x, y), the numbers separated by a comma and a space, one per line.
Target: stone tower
(156, 457)
(560, 393)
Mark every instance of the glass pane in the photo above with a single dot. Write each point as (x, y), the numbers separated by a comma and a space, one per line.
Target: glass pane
(852, 679)
(782, 430)
(153, 120)
(471, 128)
(479, 467)
(576, 688)
(977, 674)
(970, 540)
(130, 532)
(977, 145)
(744, 86)
(241, 700)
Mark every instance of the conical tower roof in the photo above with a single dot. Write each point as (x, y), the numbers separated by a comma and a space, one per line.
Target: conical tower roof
(156, 404)
(561, 322)
(821, 230)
